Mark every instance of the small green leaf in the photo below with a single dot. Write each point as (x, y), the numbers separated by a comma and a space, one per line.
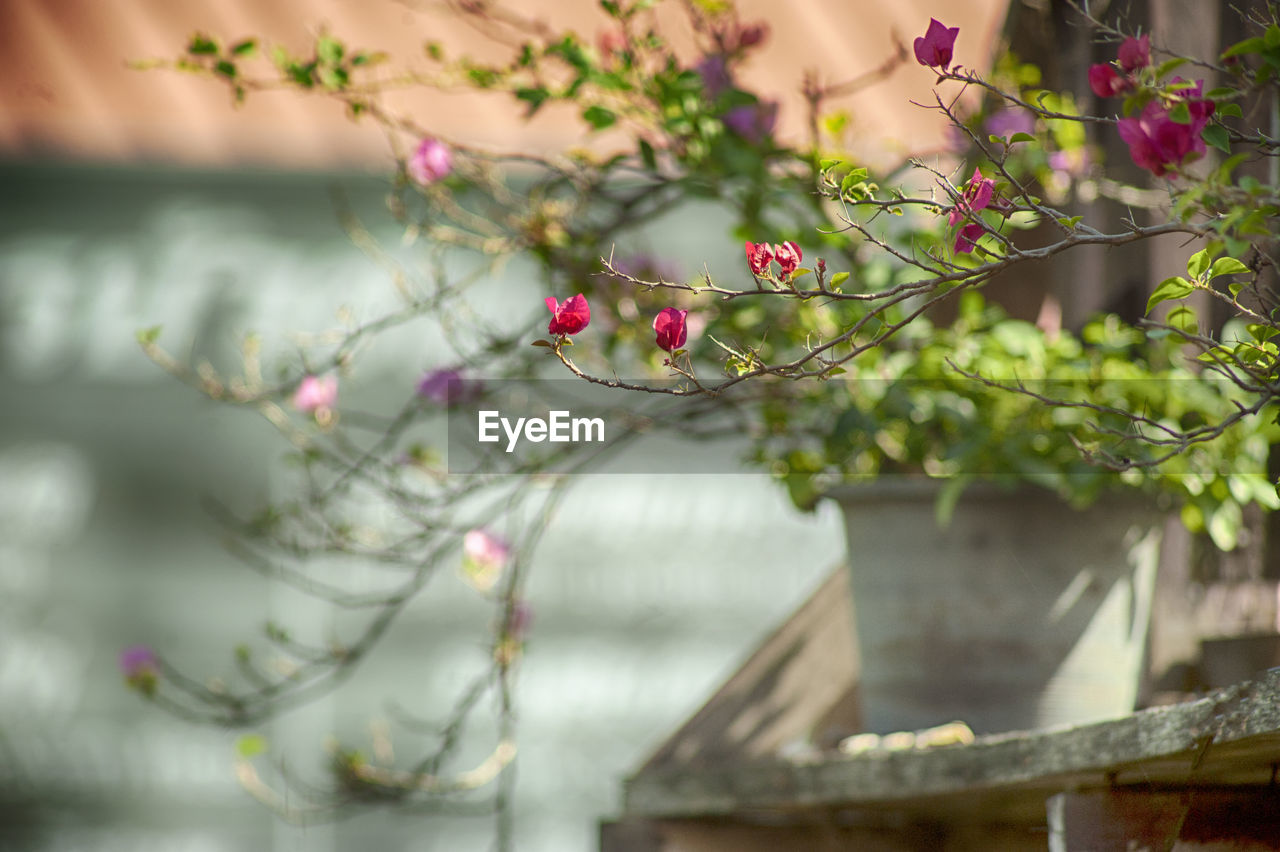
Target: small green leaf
(599, 117)
(1170, 288)
(1184, 320)
(1230, 109)
(148, 336)
(1181, 113)
(245, 48)
(1021, 137)
(1217, 136)
(648, 156)
(546, 344)
(202, 45)
(829, 163)
(1165, 67)
(329, 49)
(250, 746)
(839, 278)
(226, 69)
(1226, 266)
(1198, 264)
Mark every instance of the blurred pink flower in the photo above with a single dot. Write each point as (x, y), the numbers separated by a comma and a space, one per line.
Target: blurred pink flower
(140, 667)
(316, 394)
(753, 122)
(446, 386)
(1135, 53)
(1106, 82)
(484, 556)
(430, 162)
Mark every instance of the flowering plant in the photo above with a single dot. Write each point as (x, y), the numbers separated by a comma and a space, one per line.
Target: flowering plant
(843, 366)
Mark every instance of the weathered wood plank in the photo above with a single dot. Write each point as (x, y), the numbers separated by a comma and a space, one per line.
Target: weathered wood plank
(1229, 737)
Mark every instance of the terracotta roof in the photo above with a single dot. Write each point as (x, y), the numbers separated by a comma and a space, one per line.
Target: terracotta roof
(67, 92)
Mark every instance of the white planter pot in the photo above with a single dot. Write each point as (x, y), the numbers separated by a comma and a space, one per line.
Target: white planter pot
(1022, 613)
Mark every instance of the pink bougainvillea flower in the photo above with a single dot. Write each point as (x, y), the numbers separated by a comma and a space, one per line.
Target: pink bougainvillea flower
(140, 667)
(1009, 122)
(316, 394)
(1106, 82)
(967, 237)
(570, 316)
(753, 122)
(977, 195)
(933, 49)
(671, 328)
(788, 256)
(1159, 144)
(484, 556)
(759, 256)
(1135, 53)
(430, 162)
(610, 41)
(714, 71)
(446, 386)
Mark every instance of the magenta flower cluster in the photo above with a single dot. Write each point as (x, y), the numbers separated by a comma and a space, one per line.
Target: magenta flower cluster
(1159, 143)
(573, 314)
(1134, 55)
(787, 255)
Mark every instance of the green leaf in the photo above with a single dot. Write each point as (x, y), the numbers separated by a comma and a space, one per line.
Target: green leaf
(1224, 525)
(648, 156)
(202, 45)
(1181, 113)
(1226, 266)
(1184, 320)
(226, 69)
(1165, 67)
(250, 746)
(1249, 45)
(1021, 137)
(829, 163)
(1198, 264)
(839, 278)
(245, 48)
(1170, 288)
(329, 49)
(546, 344)
(148, 336)
(534, 97)
(1230, 109)
(599, 117)
(1217, 136)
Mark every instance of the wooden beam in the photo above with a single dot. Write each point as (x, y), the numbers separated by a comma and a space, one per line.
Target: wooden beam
(1242, 819)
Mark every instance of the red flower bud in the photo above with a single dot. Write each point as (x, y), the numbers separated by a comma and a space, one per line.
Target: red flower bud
(670, 327)
(1106, 82)
(758, 257)
(1135, 53)
(933, 49)
(788, 256)
(570, 316)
